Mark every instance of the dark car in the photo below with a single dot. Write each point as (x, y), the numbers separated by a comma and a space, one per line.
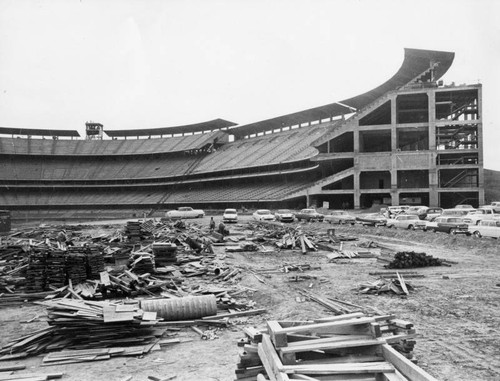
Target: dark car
(371, 219)
(309, 215)
(450, 225)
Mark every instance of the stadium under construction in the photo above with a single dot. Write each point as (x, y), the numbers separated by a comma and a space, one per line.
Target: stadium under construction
(411, 140)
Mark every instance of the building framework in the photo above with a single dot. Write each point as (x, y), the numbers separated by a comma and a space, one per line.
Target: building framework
(411, 140)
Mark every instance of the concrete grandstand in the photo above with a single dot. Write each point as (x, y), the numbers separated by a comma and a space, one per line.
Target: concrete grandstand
(411, 140)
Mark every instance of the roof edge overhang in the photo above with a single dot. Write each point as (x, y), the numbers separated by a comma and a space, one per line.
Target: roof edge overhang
(216, 124)
(37, 132)
(416, 62)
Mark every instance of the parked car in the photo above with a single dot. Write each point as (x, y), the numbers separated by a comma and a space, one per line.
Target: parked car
(480, 214)
(230, 215)
(464, 206)
(468, 208)
(404, 221)
(309, 215)
(450, 225)
(340, 217)
(371, 219)
(185, 212)
(417, 210)
(432, 213)
(496, 206)
(284, 215)
(454, 213)
(486, 228)
(263, 215)
(392, 211)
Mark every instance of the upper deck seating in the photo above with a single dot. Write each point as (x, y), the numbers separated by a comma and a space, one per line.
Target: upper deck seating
(22, 146)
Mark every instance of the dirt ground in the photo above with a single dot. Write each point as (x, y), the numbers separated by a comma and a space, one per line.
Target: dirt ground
(455, 310)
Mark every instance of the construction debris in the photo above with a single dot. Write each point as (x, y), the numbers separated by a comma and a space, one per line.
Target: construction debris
(411, 259)
(337, 346)
(396, 286)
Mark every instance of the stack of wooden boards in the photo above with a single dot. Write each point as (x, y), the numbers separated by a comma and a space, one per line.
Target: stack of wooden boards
(88, 331)
(345, 347)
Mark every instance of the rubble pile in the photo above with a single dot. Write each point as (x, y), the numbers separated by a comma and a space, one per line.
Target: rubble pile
(411, 259)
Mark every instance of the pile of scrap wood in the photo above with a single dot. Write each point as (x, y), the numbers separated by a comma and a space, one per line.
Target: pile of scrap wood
(296, 239)
(411, 259)
(396, 286)
(91, 330)
(334, 348)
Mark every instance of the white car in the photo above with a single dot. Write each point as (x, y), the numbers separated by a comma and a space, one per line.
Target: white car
(230, 215)
(486, 228)
(481, 214)
(496, 206)
(284, 215)
(185, 212)
(404, 221)
(263, 215)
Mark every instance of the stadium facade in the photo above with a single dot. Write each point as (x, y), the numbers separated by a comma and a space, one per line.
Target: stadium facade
(412, 140)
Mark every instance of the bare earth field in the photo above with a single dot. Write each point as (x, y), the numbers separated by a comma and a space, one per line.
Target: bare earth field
(455, 309)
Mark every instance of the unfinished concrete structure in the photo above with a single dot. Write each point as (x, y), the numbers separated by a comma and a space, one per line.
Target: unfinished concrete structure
(411, 140)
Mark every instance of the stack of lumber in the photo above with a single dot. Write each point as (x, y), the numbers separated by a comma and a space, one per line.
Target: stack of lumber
(164, 253)
(133, 230)
(346, 347)
(143, 263)
(56, 268)
(36, 274)
(95, 262)
(91, 330)
(75, 265)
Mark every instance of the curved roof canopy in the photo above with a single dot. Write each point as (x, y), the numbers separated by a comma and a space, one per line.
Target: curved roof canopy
(416, 62)
(216, 124)
(37, 132)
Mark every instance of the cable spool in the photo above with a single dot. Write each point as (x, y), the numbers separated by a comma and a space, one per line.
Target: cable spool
(186, 308)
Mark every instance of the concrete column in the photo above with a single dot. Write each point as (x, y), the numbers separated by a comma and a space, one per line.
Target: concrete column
(480, 141)
(357, 191)
(433, 171)
(394, 153)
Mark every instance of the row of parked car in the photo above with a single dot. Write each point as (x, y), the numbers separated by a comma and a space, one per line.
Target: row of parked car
(309, 215)
(463, 219)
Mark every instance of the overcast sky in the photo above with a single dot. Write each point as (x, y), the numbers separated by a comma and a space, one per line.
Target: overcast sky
(146, 64)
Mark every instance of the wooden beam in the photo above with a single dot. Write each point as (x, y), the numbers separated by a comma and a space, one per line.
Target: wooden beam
(271, 360)
(406, 367)
(342, 323)
(357, 368)
(326, 344)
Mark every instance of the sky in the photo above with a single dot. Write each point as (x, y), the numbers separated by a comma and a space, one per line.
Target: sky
(159, 63)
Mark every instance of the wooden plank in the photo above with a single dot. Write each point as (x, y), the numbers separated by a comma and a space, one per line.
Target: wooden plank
(125, 308)
(403, 284)
(339, 317)
(271, 360)
(405, 366)
(24, 376)
(342, 323)
(390, 377)
(7, 368)
(329, 344)
(302, 377)
(356, 368)
(235, 314)
(111, 316)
